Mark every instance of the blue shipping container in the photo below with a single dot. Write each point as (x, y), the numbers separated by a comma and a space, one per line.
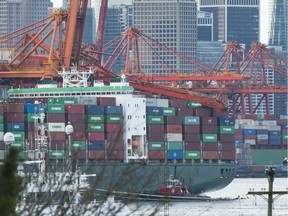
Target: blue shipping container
(274, 133)
(175, 154)
(155, 111)
(262, 131)
(94, 109)
(284, 126)
(14, 126)
(34, 108)
(249, 131)
(96, 145)
(226, 121)
(275, 142)
(238, 141)
(114, 110)
(275, 137)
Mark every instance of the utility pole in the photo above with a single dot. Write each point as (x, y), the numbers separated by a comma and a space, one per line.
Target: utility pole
(270, 175)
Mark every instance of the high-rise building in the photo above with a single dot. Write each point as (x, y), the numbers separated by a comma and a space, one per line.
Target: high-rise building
(172, 23)
(19, 13)
(234, 20)
(279, 24)
(89, 35)
(204, 26)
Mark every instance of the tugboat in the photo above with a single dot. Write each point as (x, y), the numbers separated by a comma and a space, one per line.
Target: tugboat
(173, 187)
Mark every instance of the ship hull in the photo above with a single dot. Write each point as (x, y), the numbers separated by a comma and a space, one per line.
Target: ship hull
(136, 178)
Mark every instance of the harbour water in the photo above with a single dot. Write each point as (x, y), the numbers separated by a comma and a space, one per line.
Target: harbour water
(240, 204)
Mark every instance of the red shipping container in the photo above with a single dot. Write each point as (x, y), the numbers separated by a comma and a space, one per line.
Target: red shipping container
(284, 132)
(239, 131)
(115, 145)
(75, 109)
(75, 118)
(2, 145)
(191, 129)
(78, 136)
(262, 142)
(96, 154)
(203, 112)
(217, 113)
(229, 146)
(55, 117)
(115, 155)
(210, 155)
(30, 136)
(209, 129)
(227, 155)
(114, 136)
(156, 155)
(79, 127)
(185, 111)
(238, 136)
(155, 128)
(15, 108)
(171, 128)
(206, 120)
(57, 145)
(173, 119)
(113, 128)
(281, 121)
(209, 146)
(285, 142)
(79, 154)
(155, 136)
(191, 137)
(30, 126)
(14, 117)
(94, 136)
(196, 145)
(226, 138)
(57, 136)
(106, 101)
(249, 136)
(174, 102)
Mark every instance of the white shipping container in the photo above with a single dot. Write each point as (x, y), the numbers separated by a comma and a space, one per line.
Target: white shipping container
(284, 117)
(269, 122)
(1, 136)
(249, 127)
(274, 128)
(151, 102)
(250, 141)
(87, 100)
(162, 102)
(174, 137)
(262, 136)
(56, 127)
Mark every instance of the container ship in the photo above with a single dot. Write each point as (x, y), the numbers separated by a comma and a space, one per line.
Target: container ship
(132, 142)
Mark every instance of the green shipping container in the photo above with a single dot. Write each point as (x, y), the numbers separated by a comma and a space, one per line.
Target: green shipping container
(78, 145)
(192, 154)
(30, 117)
(285, 137)
(55, 108)
(117, 119)
(1, 119)
(191, 120)
(22, 156)
(92, 127)
(209, 137)
(56, 154)
(155, 119)
(169, 111)
(20, 145)
(226, 130)
(193, 104)
(268, 156)
(95, 118)
(175, 145)
(1, 127)
(19, 136)
(156, 145)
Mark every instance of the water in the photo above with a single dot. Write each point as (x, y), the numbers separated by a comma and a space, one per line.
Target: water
(244, 204)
